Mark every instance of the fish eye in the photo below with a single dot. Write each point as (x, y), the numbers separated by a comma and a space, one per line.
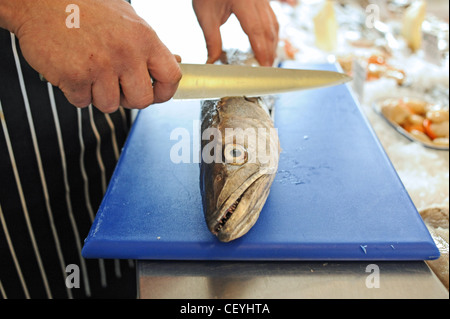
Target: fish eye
(235, 154)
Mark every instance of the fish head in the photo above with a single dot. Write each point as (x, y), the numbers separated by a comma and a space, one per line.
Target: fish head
(240, 182)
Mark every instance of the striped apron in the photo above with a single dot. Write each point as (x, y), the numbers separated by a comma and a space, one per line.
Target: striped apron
(55, 164)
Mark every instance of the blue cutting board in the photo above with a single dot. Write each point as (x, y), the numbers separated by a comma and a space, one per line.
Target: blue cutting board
(336, 195)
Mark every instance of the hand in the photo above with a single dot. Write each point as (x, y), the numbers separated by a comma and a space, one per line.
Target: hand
(109, 60)
(256, 18)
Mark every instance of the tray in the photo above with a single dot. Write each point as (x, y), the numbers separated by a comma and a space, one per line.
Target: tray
(377, 108)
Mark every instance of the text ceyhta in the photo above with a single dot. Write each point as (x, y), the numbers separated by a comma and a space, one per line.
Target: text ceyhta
(234, 308)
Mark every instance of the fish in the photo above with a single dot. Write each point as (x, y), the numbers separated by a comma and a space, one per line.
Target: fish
(240, 151)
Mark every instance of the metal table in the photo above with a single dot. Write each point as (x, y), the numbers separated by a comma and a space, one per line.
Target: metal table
(287, 280)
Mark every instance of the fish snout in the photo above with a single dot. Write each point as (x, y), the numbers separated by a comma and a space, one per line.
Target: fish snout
(241, 211)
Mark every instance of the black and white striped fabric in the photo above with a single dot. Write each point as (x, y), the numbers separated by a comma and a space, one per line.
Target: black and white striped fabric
(55, 163)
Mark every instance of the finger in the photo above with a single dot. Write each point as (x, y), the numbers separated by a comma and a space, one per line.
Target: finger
(177, 57)
(106, 93)
(166, 74)
(163, 91)
(210, 22)
(77, 93)
(213, 39)
(264, 40)
(262, 30)
(273, 31)
(137, 90)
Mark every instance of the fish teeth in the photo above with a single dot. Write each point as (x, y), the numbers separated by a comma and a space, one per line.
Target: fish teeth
(228, 214)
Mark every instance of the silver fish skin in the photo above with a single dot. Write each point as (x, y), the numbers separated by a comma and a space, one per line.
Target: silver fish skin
(240, 152)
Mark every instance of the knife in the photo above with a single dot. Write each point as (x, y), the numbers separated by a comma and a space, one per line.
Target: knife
(211, 81)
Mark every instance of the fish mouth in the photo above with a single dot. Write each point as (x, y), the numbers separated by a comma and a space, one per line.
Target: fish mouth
(241, 210)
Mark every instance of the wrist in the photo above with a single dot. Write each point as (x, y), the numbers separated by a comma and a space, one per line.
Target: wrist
(12, 14)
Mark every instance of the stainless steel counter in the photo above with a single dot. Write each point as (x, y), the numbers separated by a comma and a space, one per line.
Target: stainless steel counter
(288, 279)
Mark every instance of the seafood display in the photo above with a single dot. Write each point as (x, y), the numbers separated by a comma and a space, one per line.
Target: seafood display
(240, 151)
(419, 120)
(376, 66)
(436, 220)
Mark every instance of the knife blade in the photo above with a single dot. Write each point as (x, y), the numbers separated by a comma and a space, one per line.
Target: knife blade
(214, 81)
(211, 81)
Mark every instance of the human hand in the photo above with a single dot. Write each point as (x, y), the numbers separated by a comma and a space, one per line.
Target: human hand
(256, 18)
(108, 61)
